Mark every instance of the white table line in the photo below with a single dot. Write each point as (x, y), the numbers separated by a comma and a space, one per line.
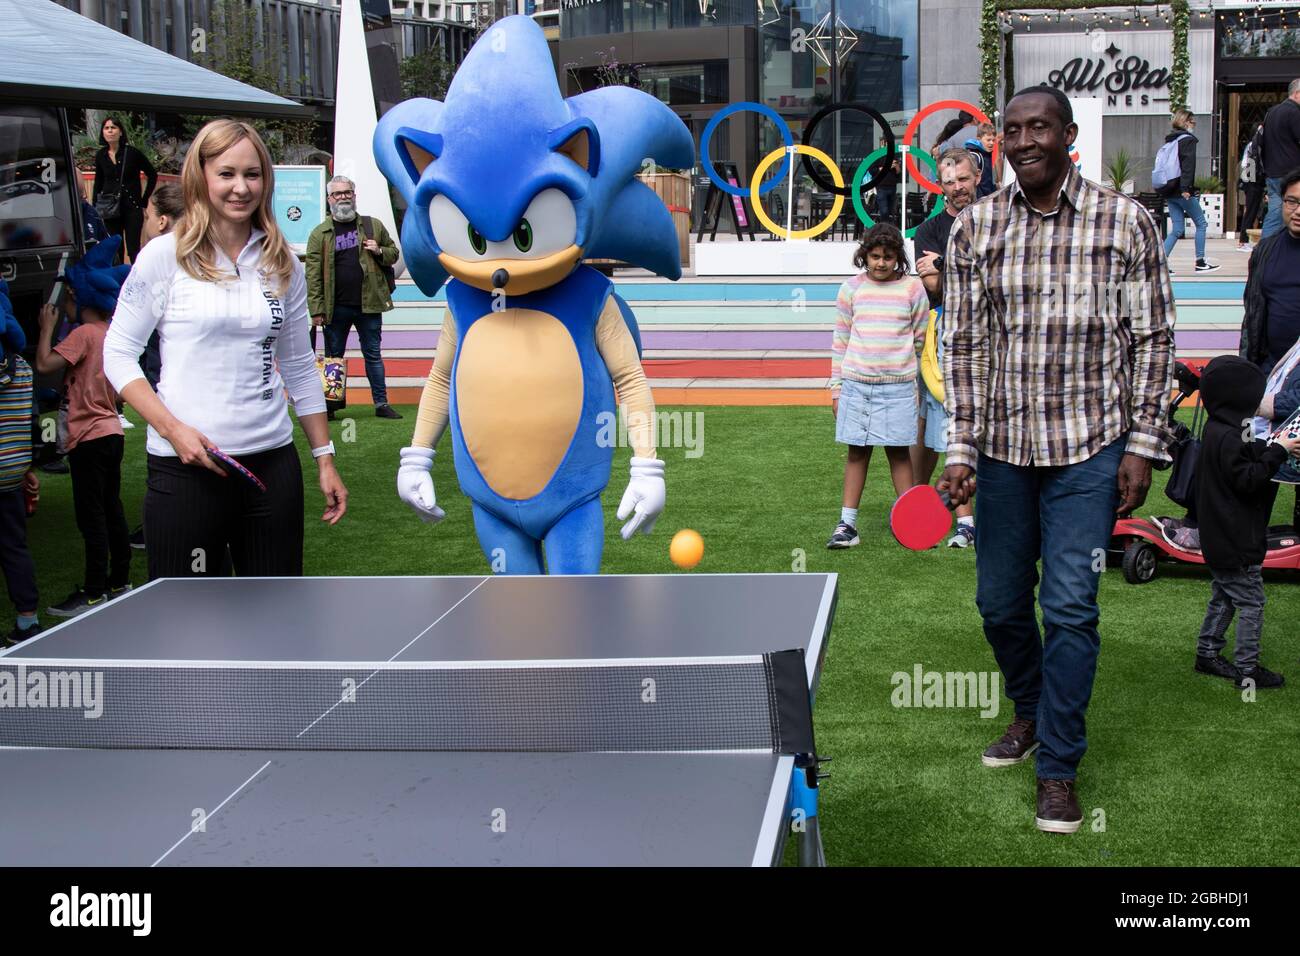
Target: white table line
(212, 814)
(394, 657)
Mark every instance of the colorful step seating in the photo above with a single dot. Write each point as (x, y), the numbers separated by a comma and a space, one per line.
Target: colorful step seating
(742, 342)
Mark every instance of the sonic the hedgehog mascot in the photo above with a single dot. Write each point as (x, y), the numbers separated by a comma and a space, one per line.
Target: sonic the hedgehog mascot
(508, 187)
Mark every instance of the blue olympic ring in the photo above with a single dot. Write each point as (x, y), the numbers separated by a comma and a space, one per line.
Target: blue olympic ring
(707, 163)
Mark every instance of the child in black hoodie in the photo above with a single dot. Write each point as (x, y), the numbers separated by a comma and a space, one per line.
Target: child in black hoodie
(1234, 498)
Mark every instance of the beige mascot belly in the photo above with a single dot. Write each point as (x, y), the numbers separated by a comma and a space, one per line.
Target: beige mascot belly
(519, 397)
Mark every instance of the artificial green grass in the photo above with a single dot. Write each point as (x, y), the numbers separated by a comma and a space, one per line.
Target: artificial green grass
(1183, 771)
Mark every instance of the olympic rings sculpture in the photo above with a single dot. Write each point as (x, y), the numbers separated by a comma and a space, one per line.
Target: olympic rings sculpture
(866, 164)
(915, 125)
(707, 162)
(758, 188)
(761, 214)
(891, 153)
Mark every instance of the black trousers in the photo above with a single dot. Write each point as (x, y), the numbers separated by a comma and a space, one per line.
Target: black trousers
(97, 502)
(1254, 201)
(15, 560)
(191, 516)
(128, 227)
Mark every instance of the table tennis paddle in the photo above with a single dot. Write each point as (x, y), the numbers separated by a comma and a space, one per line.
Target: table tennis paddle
(921, 517)
(232, 467)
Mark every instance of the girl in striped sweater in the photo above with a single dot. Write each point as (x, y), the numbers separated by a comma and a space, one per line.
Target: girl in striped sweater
(879, 331)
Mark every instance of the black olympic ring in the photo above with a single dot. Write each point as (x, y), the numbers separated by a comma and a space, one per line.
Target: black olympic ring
(891, 152)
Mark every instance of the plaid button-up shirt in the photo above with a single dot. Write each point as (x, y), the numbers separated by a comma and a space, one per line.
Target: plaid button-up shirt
(1058, 328)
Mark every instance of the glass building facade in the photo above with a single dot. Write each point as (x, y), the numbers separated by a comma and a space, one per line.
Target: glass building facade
(868, 57)
(794, 56)
(585, 18)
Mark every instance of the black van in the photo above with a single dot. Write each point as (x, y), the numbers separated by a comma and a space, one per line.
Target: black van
(41, 227)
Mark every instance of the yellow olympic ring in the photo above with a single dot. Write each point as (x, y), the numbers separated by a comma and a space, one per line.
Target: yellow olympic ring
(836, 176)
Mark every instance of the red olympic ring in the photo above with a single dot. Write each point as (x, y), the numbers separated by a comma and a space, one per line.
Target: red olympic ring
(915, 124)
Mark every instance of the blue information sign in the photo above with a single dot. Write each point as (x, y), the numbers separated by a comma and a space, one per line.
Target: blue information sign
(299, 202)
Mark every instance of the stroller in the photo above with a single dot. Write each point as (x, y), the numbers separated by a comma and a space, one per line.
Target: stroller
(1138, 545)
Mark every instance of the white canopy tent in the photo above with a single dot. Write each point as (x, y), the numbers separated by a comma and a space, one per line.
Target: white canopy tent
(52, 56)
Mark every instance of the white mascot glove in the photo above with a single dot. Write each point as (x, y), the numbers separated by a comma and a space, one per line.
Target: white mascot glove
(415, 484)
(644, 498)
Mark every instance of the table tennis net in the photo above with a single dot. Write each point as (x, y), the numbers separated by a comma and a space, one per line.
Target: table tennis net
(739, 703)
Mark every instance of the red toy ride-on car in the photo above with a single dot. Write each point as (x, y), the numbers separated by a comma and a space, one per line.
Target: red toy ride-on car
(1138, 545)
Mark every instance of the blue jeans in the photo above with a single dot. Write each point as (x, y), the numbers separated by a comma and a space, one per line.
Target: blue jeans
(368, 326)
(1063, 515)
(1273, 218)
(1191, 209)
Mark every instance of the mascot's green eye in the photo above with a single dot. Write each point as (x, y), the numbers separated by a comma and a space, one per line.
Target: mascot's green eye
(477, 241)
(523, 236)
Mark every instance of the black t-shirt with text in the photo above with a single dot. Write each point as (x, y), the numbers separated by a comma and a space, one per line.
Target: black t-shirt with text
(347, 264)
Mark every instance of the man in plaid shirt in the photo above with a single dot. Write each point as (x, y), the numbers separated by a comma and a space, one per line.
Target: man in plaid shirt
(1058, 352)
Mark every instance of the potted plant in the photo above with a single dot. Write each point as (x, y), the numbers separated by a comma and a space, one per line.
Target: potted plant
(1120, 171)
(1211, 190)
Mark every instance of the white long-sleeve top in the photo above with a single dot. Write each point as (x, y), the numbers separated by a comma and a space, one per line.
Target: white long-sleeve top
(229, 349)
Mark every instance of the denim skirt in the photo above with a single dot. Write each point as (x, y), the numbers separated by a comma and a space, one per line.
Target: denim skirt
(876, 414)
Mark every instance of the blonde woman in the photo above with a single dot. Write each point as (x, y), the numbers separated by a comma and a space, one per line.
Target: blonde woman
(1180, 193)
(229, 302)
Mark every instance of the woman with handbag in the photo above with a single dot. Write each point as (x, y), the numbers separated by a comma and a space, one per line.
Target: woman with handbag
(229, 301)
(117, 196)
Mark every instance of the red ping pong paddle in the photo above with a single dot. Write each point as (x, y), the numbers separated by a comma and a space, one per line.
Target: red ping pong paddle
(232, 467)
(920, 517)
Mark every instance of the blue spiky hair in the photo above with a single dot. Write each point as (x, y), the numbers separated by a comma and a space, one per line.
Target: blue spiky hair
(95, 280)
(505, 133)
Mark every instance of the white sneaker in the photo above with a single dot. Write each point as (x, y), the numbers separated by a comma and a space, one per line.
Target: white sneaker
(126, 422)
(1245, 247)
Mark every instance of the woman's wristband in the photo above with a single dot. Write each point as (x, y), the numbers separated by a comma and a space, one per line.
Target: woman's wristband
(323, 450)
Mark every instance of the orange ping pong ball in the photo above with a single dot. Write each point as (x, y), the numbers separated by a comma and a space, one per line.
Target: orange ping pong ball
(686, 549)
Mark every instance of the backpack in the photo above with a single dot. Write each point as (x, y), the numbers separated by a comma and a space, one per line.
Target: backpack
(368, 227)
(1246, 171)
(1185, 449)
(1167, 169)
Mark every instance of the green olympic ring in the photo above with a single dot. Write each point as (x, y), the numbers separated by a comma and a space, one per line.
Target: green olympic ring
(861, 173)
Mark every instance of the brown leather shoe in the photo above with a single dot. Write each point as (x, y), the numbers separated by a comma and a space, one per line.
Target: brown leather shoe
(1013, 746)
(1058, 807)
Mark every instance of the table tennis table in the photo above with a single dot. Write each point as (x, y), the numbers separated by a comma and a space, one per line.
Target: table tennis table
(607, 720)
